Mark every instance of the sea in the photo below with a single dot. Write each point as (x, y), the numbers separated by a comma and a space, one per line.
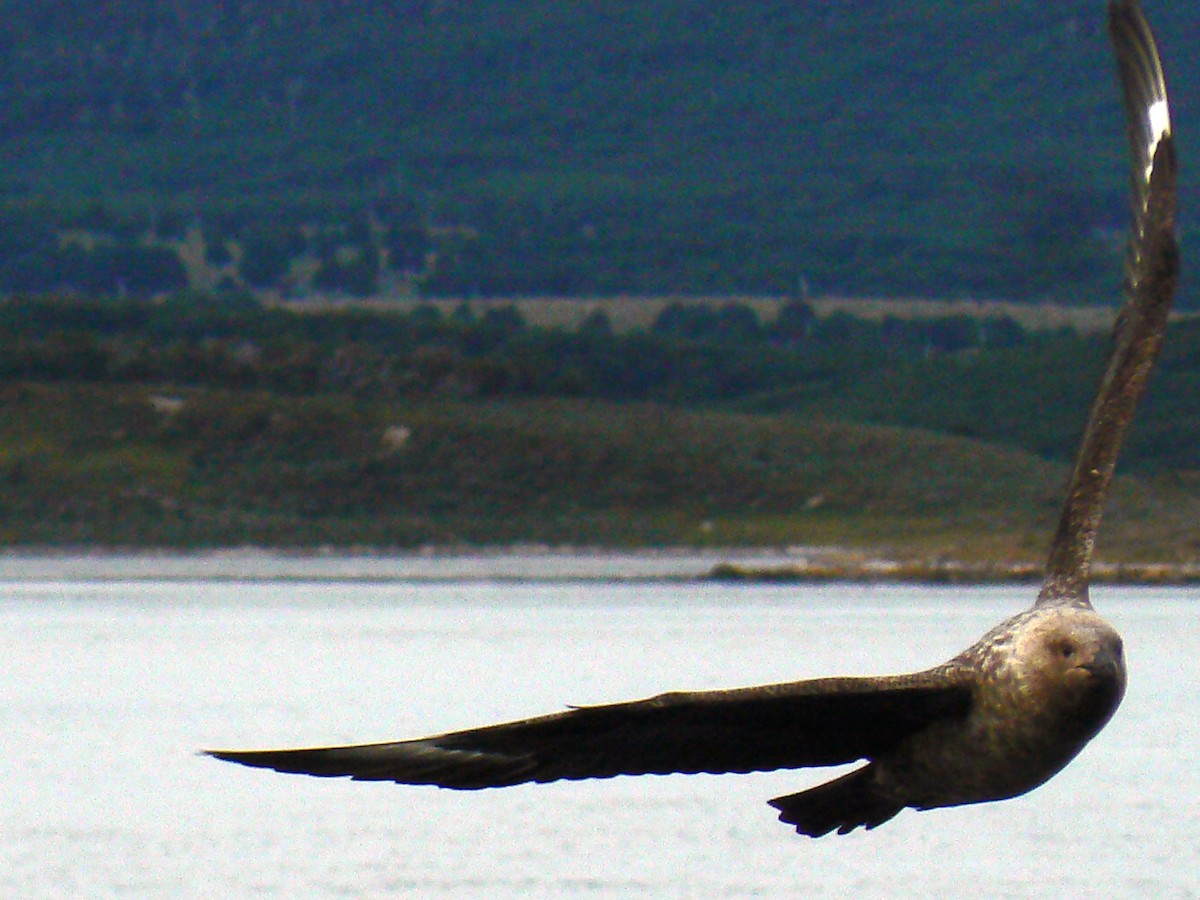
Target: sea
(116, 671)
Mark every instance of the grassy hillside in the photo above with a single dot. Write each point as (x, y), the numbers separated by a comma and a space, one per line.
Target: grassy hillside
(561, 146)
(139, 466)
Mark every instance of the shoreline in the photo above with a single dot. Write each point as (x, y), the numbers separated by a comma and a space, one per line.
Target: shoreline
(532, 563)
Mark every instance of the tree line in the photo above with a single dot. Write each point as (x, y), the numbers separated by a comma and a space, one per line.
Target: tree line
(691, 353)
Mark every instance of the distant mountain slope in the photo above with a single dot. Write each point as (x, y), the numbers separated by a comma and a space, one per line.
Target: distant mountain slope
(560, 146)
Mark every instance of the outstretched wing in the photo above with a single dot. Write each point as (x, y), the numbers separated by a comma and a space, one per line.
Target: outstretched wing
(1152, 269)
(806, 723)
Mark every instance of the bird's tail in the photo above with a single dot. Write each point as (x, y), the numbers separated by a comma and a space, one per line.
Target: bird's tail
(845, 803)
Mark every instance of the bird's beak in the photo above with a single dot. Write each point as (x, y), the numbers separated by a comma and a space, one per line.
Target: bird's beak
(1107, 682)
(1107, 665)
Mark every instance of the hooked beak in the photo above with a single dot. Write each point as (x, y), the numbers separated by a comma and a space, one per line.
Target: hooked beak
(1107, 671)
(1107, 665)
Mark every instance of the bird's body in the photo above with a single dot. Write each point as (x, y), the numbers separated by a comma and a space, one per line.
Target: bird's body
(994, 722)
(1042, 684)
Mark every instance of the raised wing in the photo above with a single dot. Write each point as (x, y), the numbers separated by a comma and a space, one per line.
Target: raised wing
(805, 723)
(1152, 269)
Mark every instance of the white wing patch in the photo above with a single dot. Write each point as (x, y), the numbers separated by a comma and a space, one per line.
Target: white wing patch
(1160, 126)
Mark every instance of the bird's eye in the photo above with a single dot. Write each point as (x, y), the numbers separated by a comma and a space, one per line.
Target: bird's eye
(1065, 649)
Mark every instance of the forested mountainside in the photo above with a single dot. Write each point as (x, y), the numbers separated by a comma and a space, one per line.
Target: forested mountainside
(557, 146)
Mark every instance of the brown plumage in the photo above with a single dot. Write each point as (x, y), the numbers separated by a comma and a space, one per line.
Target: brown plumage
(994, 722)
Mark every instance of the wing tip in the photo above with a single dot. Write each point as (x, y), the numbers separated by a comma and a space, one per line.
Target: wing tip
(1142, 80)
(259, 759)
(292, 762)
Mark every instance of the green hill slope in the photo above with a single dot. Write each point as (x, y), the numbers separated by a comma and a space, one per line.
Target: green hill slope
(113, 467)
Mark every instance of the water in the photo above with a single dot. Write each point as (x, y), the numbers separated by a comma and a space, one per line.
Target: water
(107, 689)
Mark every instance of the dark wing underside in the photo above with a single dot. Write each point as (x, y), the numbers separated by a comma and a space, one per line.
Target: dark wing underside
(1152, 269)
(806, 723)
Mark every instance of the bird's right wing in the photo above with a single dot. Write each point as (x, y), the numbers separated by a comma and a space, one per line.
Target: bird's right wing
(1152, 269)
(806, 723)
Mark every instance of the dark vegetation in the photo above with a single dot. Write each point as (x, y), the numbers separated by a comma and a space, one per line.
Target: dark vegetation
(449, 147)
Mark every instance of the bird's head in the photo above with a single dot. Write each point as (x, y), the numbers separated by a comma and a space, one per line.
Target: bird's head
(1079, 660)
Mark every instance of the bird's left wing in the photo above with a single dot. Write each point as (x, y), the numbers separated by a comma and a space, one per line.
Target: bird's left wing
(1151, 272)
(806, 723)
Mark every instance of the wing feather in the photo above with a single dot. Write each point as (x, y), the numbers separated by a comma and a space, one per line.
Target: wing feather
(807, 723)
(1151, 273)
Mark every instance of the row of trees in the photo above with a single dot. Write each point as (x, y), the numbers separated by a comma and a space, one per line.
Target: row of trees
(691, 352)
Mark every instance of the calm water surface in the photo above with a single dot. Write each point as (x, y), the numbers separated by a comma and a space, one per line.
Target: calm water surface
(107, 689)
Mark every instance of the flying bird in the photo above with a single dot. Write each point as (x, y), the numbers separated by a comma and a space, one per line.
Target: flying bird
(994, 722)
